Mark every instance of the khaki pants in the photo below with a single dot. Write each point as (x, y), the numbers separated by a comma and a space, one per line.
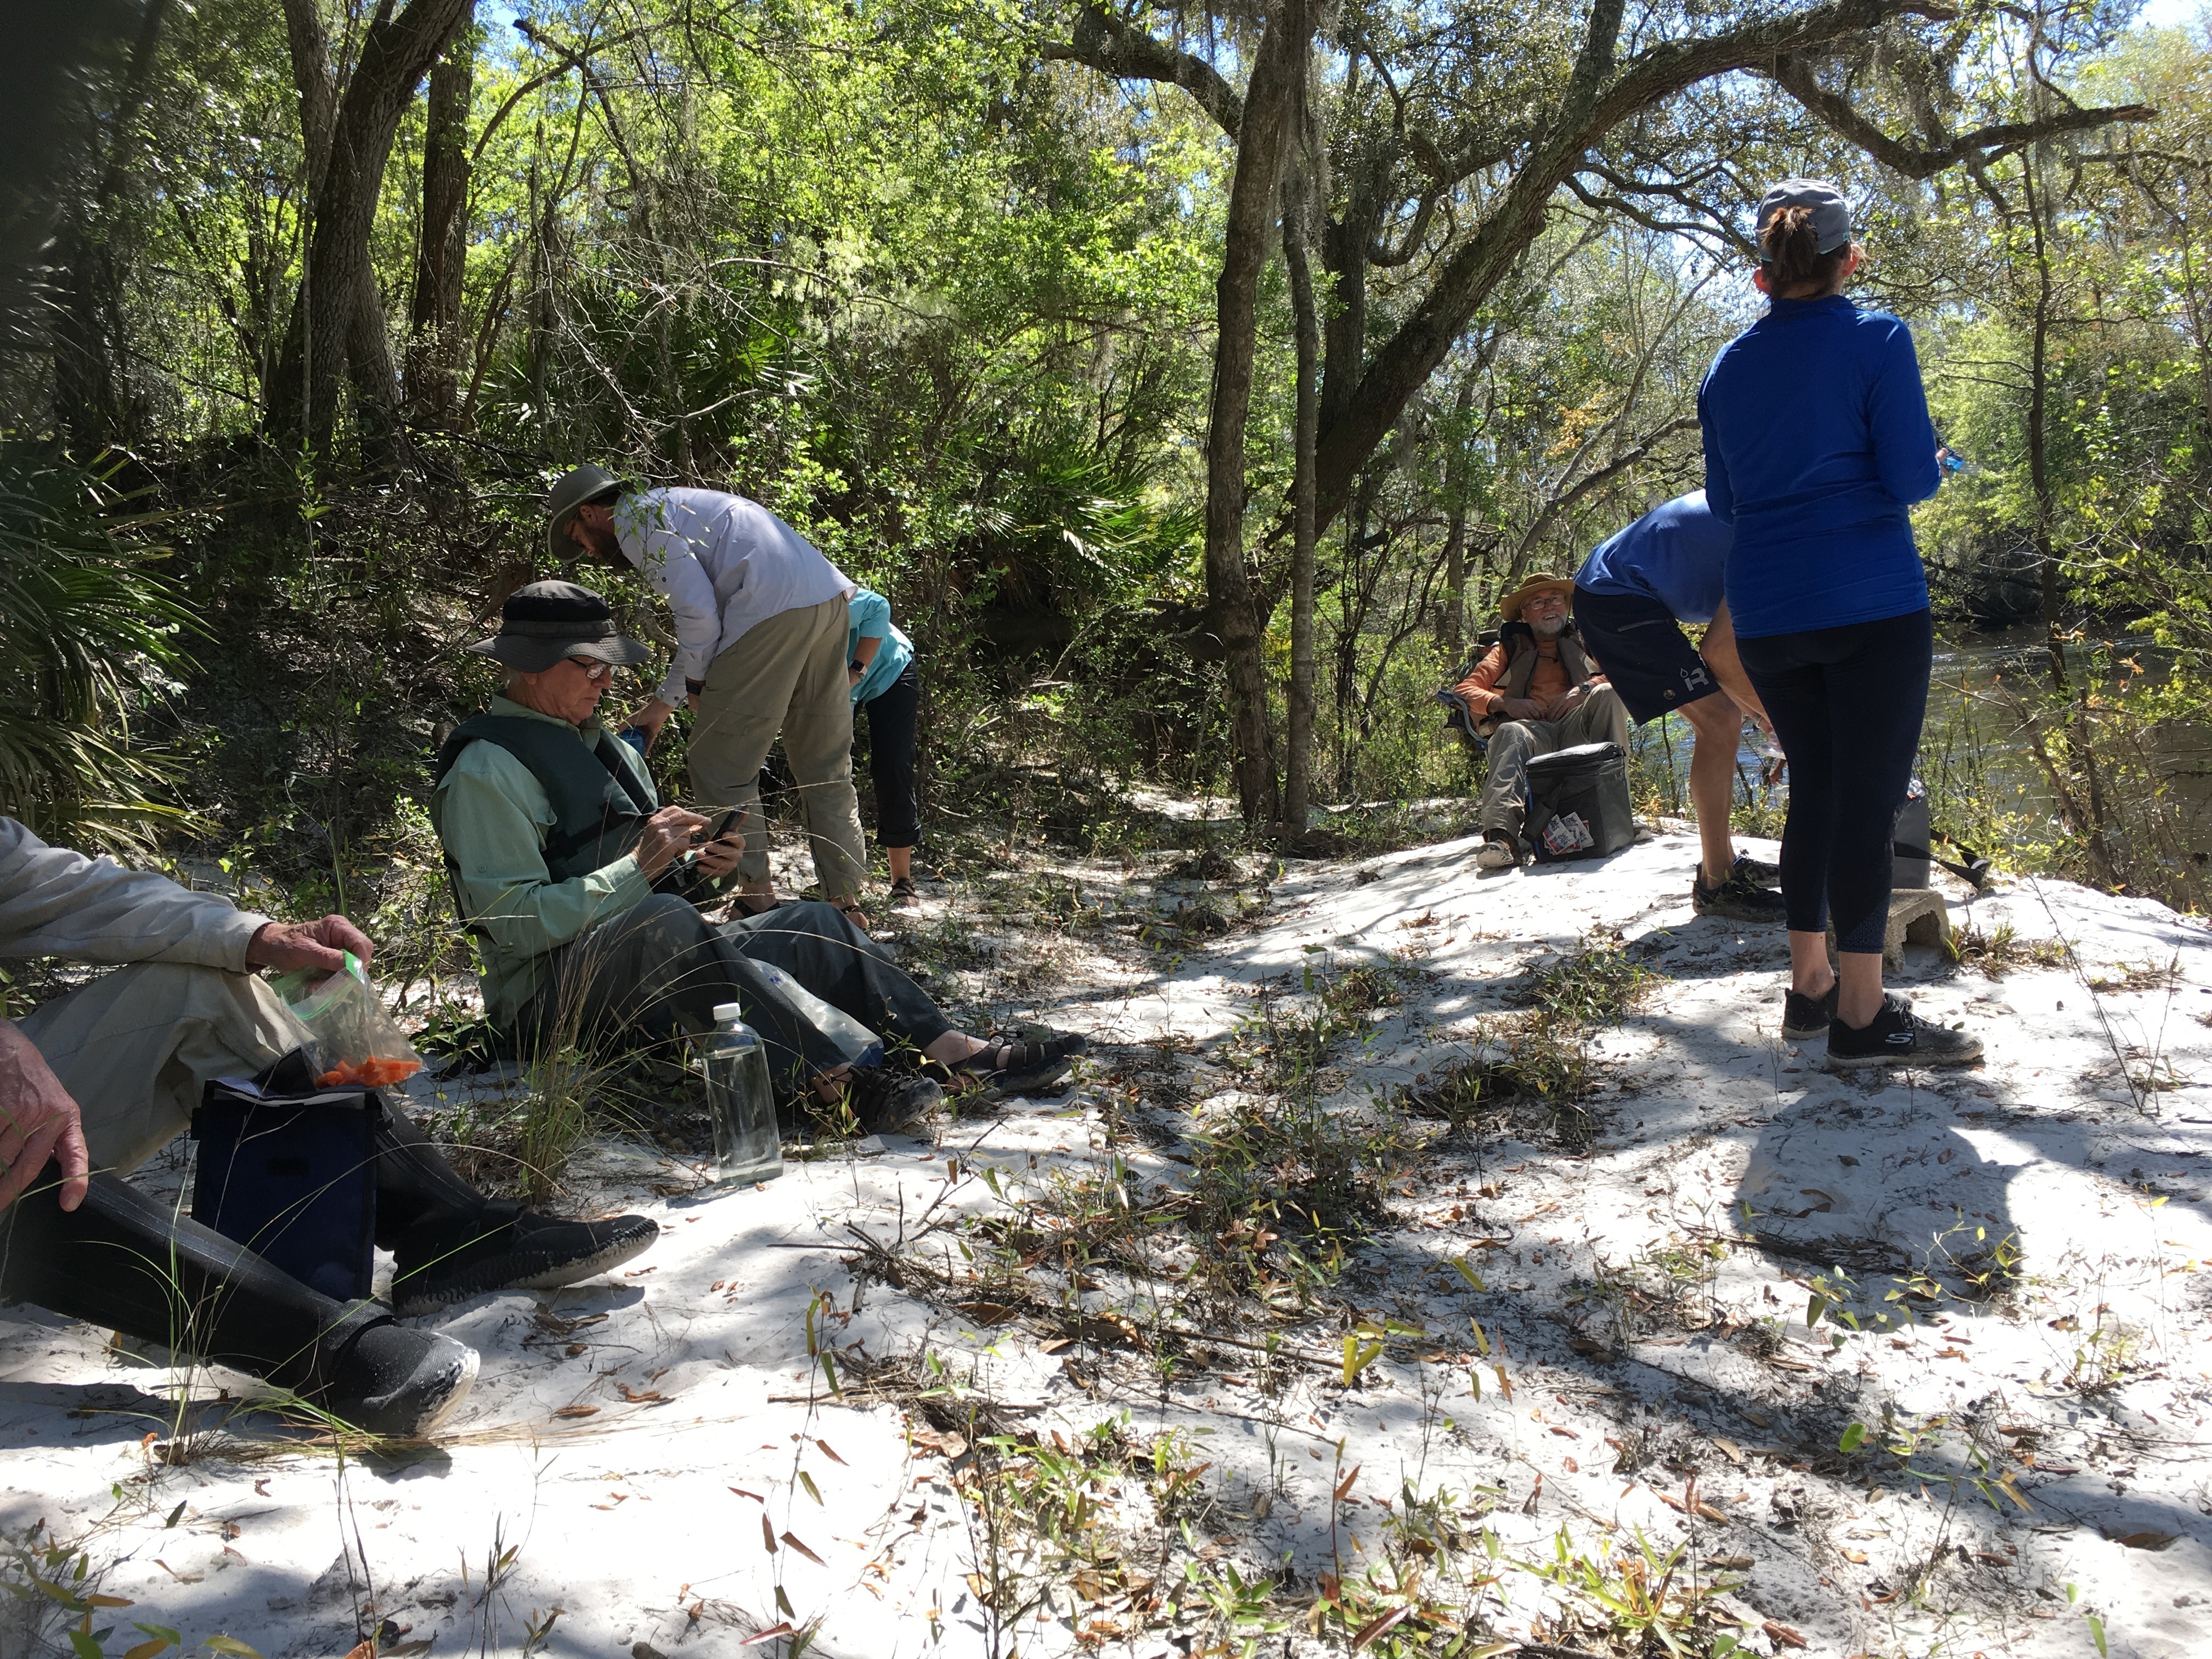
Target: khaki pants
(788, 675)
(1599, 718)
(134, 1048)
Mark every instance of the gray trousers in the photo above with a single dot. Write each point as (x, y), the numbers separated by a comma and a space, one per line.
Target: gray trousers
(1599, 718)
(658, 970)
(136, 1047)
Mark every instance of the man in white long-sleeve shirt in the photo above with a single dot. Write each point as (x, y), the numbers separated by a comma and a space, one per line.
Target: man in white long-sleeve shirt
(761, 625)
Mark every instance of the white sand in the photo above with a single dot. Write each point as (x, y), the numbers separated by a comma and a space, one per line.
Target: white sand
(627, 1519)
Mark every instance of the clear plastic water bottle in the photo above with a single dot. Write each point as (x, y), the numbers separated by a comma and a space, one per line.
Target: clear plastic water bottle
(855, 1040)
(742, 1100)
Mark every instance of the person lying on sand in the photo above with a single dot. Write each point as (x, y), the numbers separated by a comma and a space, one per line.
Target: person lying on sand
(580, 889)
(1533, 693)
(1631, 597)
(93, 1082)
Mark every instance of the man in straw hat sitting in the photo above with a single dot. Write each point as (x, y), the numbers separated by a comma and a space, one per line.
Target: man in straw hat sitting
(579, 887)
(1533, 693)
(761, 649)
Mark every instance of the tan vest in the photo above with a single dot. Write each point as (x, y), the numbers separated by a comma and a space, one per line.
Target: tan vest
(1522, 657)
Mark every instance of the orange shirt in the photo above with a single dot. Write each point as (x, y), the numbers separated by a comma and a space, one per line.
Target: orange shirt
(1549, 681)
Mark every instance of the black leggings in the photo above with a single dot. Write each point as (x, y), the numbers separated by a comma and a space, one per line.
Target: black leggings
(1847, 704)
(890, 759)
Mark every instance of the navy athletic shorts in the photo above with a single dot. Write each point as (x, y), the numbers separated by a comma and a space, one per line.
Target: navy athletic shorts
(1644, 651)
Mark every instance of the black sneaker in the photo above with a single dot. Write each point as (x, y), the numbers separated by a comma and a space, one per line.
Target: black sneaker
(396, 1381)
(1757, 871)
(1738, 897)
(1897, 1036)
(507, 1248)
(887, 1103)
(1805, 1017)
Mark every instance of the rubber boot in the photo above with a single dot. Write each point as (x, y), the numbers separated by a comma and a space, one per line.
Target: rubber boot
(416, 1186)
(123, 1261)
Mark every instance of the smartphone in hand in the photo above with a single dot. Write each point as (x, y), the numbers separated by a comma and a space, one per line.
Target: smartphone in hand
(727, 821)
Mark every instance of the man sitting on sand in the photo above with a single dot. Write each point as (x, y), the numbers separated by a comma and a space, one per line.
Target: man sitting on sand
(581, 888)
(1533, 693)
(1631, 597)
(93, 1082)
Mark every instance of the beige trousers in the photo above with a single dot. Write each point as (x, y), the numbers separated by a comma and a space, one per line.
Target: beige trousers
(788, 675)
(134, 1048)
(1601, 717)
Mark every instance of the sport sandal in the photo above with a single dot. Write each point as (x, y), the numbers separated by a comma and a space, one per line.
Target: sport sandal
(1017, 1067)
(1897, 1036)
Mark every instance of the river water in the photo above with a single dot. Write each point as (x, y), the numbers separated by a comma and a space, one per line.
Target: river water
(1972, 739)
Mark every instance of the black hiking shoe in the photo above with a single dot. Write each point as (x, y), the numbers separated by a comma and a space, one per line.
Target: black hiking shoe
(507, 1248)
(1757, 871)
(1897, 1036)
(1805, 1017)
(396, 1381)
(887, 1103)
(1738, 897)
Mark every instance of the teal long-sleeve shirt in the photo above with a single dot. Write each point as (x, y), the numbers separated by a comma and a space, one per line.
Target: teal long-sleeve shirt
(493, 818)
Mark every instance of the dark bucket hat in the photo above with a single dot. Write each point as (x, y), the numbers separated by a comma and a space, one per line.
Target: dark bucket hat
(544, 621)
(574, 488)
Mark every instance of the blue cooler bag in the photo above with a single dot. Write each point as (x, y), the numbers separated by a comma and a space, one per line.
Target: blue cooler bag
(291, 1174)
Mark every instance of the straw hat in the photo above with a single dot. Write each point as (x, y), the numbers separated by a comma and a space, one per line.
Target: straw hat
(1510, 606)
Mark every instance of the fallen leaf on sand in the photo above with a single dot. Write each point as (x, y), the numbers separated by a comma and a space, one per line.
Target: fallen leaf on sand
(1731, 1563)
(1783, 1634)
(1859, 1556)
(637, 1398)
(1735, 1452)
(577, 1411)
(2144, 1541)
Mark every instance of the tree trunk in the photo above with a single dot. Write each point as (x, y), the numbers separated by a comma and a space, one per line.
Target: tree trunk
(441, 258)
(93, 401)
(1298, 784)
(2046, 555)
(1270, 107)
(337, 319)
(1451, 626)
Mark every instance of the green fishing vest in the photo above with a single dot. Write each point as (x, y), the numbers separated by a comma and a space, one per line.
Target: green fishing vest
(601, 796)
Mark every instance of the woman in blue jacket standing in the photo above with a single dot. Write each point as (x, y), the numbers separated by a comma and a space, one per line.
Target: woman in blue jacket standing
(1817, 441)
(887, 685)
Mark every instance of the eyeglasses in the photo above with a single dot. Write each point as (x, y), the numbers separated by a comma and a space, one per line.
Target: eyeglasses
(594, 670)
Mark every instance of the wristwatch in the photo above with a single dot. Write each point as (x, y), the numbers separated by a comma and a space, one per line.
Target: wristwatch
(858, 666)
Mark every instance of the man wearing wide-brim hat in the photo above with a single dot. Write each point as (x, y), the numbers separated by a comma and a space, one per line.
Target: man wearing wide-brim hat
(762, 620)
(1533, 693)
(583, 890)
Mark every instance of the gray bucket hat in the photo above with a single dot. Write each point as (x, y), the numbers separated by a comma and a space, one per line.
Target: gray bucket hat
(577, 486)
(1831, 210)
(544, 621)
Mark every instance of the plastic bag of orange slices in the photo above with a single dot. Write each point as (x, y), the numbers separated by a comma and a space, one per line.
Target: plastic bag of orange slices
(356, 1041)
